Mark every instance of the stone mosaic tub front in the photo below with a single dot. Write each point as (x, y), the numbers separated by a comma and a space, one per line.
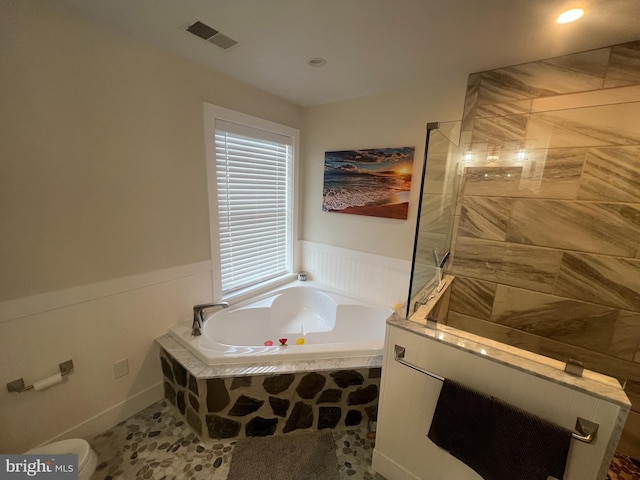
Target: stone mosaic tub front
(263, 405)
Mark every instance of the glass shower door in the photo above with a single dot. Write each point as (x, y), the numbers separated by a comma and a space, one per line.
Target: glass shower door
(437, 210)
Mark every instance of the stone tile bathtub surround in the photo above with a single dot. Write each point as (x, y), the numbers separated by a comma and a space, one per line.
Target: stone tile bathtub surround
(264, 405)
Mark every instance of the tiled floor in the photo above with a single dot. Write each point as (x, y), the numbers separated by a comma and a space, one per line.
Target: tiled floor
(156, 444)
(624, 468)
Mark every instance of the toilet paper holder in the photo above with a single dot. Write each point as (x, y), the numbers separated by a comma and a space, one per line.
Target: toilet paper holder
(17, 386)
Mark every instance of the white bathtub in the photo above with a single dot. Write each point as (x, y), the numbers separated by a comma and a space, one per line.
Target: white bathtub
(331, 324)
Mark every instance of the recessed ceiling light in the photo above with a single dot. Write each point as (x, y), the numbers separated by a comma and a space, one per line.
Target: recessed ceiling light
(570, 15)
(317, 62)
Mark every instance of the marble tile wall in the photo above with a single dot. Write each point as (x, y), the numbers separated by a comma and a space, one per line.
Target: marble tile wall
(546, 247)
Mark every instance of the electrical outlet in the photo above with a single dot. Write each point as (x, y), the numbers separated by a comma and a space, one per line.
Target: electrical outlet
(121, 368)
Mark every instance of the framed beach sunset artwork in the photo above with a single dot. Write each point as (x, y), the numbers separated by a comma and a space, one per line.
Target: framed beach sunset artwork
(374, 182)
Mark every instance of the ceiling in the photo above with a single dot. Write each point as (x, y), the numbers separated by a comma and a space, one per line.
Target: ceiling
(371, 46)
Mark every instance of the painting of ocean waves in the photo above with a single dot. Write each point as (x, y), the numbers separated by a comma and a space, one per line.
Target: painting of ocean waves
(375, 182)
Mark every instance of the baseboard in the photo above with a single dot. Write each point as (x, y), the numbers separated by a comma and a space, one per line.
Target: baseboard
(390, 469)
(112, 415)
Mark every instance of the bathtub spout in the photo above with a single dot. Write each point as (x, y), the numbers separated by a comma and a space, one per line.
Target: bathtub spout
(198, 317)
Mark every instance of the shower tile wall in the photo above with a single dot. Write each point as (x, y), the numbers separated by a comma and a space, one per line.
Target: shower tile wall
(546, 248)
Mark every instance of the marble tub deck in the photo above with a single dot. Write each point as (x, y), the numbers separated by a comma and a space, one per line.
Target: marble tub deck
(156, 444)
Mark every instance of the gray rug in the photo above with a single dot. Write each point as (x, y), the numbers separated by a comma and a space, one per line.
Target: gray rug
(301, 456)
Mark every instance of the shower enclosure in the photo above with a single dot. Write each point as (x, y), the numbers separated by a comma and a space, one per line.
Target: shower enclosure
(435, 226)
(536, 196)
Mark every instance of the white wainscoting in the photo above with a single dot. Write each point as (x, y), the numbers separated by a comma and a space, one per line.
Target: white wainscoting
(408, 399)
(99, 324)
(34, 304)
(95, 325)
(380, 279)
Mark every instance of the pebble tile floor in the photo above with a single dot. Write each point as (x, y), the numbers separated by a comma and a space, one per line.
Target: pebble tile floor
(156, 444)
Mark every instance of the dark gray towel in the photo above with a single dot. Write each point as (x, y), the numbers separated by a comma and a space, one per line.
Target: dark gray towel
(497, 440)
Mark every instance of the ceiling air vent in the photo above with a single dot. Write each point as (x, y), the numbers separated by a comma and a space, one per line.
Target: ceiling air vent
(211, 35)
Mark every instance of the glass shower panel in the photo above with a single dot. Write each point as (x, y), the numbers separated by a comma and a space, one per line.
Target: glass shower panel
(437, 210)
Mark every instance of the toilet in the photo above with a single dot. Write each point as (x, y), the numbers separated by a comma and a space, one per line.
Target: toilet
(87, 458)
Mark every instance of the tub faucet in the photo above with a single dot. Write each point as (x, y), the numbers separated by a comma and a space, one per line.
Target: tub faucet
(198, 317)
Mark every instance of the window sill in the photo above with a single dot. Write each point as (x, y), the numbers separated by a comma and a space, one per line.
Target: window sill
(255, 290)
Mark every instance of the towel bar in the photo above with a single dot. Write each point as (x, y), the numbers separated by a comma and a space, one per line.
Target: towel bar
(399, 357)
(586, 430)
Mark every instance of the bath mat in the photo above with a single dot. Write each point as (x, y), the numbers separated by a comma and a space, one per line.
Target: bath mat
(301, 456)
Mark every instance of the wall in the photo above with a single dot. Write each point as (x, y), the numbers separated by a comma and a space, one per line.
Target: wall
(394, 119)
(103, 206)
(375, 278)
(95, 326)
(547, 249)
(103, 154)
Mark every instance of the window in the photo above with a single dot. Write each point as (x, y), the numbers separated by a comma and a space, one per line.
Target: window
(250, 175)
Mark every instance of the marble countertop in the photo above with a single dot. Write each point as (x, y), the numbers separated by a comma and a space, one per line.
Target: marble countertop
(593, 383)
(199, 369)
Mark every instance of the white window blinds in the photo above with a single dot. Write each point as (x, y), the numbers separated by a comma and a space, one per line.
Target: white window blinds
(254, 174)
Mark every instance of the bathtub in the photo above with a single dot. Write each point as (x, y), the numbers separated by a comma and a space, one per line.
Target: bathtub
(315, 321)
